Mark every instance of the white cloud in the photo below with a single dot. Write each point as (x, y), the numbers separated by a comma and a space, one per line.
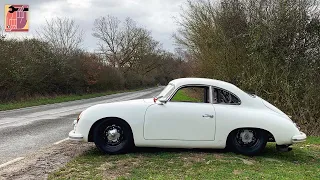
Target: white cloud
(154, 15)
(79, 4)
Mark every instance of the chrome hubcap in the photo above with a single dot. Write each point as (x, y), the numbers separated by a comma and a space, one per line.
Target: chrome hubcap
(247, 136)
(113, 135)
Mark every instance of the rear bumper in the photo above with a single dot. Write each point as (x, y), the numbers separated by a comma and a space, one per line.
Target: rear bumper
(73, 135)
(299, 138)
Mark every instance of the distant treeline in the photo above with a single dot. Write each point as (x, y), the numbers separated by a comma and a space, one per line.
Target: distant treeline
(271, 47)
(53, 62)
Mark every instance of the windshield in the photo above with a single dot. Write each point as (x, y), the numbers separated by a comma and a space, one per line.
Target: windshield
(166, 91)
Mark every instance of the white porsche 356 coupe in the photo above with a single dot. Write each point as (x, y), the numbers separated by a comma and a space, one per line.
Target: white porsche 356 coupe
(188, 113)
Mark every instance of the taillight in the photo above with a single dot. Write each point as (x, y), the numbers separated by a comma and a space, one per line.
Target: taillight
(155, 99)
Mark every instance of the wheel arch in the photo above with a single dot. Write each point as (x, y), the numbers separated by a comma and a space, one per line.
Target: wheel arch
(90, 135)
(269, 134)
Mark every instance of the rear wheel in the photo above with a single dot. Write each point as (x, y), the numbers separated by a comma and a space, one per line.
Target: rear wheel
(248, 141)
(113, 136)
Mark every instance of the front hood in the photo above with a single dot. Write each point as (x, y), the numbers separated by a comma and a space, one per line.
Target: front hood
(133, 102)
(120, 107)
(149, 100)
(132, 110)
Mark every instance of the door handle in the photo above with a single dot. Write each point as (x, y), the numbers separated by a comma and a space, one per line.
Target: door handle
(207, 115)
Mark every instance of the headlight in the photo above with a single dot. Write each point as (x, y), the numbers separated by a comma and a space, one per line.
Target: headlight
(79, 117)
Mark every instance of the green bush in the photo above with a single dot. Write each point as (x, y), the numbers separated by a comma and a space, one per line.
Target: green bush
(270, 47)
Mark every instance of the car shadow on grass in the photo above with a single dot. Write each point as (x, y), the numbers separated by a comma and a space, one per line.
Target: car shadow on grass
(175, 150)
(299, 154)
(304, 154)
(296, 156)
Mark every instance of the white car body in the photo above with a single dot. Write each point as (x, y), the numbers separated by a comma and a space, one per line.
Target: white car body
(191, 125)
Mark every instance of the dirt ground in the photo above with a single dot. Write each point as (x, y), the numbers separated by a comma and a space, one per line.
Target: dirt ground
(39, 164)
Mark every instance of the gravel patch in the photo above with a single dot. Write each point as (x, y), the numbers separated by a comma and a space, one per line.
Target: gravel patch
(41, 163)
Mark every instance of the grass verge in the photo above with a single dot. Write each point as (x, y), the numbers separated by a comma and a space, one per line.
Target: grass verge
(303, 162)
(55, 99)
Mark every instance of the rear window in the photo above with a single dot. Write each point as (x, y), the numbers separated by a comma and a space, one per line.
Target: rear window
(222, 96)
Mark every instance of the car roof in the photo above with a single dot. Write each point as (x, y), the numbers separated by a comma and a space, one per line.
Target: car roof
(244, 97)
(202, 81)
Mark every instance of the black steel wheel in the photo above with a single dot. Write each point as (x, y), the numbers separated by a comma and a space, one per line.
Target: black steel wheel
(113, 136)
(248, 141)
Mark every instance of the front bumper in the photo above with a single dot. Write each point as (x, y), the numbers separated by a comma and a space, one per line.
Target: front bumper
(299, 138)
(73, 135)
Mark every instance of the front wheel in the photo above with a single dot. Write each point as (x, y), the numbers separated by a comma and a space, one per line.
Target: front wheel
(113, 136)
(248, 141)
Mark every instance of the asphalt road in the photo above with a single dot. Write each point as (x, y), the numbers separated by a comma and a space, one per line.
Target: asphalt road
(26, 130)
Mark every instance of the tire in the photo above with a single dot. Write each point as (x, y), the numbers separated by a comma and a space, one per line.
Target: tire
(113, 136)
(247, 141)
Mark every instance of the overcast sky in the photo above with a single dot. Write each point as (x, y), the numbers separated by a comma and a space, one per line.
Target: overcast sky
(158, 16)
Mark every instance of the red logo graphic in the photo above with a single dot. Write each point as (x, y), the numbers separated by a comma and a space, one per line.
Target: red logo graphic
(16, 18)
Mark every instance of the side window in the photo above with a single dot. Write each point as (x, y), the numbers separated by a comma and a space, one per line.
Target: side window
(221, 96)
(196, 94)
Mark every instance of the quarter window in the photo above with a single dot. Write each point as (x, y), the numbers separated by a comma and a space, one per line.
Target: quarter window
(221, 96)
(196, 94)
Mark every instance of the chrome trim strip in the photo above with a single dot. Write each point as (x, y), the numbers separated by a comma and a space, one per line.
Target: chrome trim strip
(211, 94)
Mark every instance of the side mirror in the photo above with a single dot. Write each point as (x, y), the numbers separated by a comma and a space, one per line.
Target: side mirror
(161, 101)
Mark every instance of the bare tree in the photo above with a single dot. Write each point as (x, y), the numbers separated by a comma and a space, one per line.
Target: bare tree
(121, 43)
(62, 34)
(106, 29)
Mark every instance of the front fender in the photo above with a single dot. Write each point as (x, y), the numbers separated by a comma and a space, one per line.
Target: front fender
(130, 111)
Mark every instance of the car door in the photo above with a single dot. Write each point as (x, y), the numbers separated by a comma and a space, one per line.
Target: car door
(229, 113)
(188, 115)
